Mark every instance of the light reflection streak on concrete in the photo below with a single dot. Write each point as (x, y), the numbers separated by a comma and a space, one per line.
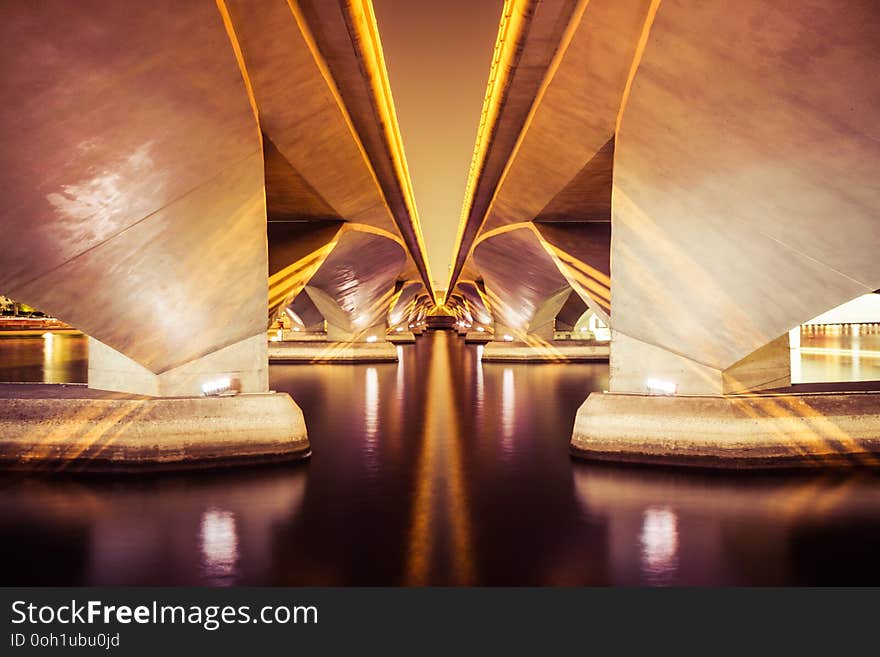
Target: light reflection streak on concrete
(90, 430)
(439, 479)
(654, 327)
(218, 540)
(818, 436)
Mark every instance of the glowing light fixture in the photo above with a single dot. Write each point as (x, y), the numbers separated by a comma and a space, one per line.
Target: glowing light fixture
(372, 338)
(481, 329)
(508, 338)
(217, 387)
(399, 329)
(660, 387)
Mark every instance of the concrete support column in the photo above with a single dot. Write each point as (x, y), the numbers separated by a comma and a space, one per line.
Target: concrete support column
(244, 365)
(641, 368)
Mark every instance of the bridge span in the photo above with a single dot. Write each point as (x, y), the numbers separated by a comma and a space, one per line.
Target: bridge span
(203, 188)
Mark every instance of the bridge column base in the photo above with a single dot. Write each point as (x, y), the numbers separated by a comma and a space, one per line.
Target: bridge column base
(568, 351)
(736, 431)
(72, 428)
(332, 352)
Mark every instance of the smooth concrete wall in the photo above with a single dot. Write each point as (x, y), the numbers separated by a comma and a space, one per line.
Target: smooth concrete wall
(133, 178)
(745, 193)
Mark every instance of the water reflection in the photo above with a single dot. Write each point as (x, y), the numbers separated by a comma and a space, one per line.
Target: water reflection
(219, 544)
(848, 352)
(439, 534)
(690, 528)
(659, 540)
(214, 529)
(409, 485)
(508, 409)
(50, 358)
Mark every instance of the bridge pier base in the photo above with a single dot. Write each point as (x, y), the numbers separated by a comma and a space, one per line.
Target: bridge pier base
(734, 431)
(332, 352)
(48, 427)
(564, 351)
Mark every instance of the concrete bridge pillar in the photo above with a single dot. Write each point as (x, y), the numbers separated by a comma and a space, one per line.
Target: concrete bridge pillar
(134, 177)
(241, 367)
(745, 197)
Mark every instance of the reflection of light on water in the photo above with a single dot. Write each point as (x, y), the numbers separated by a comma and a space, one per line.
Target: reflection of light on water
(479, 382)
(659, 542)
(55, 357)
(507, 406)
(218, 539)
(836, 353)
(371, 411)
(371, 417)
(440, 546)
(399, 371)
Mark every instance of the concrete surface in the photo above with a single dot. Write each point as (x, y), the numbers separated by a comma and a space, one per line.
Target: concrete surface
(243, 363)
(736, 431)
(332, 352)
(71, 427)
(556, 352)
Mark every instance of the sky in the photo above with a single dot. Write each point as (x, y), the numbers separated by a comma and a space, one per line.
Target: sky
(438, 56)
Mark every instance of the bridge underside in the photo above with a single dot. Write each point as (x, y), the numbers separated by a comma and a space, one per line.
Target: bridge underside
(714, 167)
(180, 179)
(152, 154)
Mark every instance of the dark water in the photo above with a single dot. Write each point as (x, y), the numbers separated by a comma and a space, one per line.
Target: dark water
(439, 471)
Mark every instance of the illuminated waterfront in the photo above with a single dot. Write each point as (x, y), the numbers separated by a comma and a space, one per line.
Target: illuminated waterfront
(437, 470)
